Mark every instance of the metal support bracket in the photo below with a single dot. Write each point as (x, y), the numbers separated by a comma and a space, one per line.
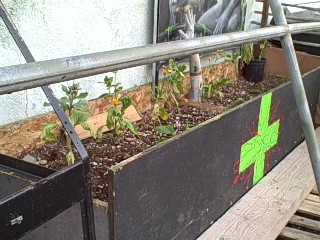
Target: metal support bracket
(298, 90)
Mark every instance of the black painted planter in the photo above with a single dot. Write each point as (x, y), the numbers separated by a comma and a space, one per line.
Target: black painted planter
(254, 71)
(176, 189)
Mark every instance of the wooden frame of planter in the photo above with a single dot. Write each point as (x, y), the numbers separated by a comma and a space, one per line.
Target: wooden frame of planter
(176, 189)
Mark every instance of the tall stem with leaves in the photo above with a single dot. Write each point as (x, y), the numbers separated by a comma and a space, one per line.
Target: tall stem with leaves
(76, 107)
(115, 119)
(172, 84)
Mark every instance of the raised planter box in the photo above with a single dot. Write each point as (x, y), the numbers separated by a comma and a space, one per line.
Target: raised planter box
(176, 189)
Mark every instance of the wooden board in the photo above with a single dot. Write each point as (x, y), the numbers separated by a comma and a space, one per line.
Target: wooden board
(297, 234)
(131, 115)
(264, 211)
(177, 189)
(311, 208)
(305, 222)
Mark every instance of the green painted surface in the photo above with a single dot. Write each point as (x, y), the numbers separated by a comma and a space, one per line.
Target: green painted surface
(254, 151)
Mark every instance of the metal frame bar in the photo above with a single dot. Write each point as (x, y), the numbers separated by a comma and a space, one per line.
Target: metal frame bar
(298, 90)
(26, 76)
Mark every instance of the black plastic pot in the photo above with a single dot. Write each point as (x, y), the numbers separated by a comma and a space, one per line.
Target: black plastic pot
(253, 72)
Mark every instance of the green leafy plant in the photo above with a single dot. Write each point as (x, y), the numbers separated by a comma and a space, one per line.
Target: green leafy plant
(172, 84)
(247, 53)
(167, 130)
(76, 107)
(263, 46)
(213, 89)
(115, 119)
(170, 30)
(158, 111)
(238, 102)
(204, 28)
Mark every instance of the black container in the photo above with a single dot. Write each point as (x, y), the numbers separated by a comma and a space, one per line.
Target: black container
(253, 72)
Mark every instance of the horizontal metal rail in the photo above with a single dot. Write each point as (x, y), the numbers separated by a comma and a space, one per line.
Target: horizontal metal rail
(31, 75)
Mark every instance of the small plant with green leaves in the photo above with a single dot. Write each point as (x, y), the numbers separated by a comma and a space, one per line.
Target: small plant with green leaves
(204, 28)
(211, 90)
(169, 30)
(172, 84)
(158, 111)
(214, 59)
(237, 102)
(263, 46)
(167, 130)
(76, 107)
(247, 53)
(115, 118)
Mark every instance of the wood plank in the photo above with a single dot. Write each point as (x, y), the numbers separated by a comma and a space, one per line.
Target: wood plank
(310, 207)
(270, 203)
(131, 115)
(298, 234)
(315, 190)
(313, 198)
(305, 222)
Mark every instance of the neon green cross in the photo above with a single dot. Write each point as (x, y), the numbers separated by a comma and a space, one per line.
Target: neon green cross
(254, 151)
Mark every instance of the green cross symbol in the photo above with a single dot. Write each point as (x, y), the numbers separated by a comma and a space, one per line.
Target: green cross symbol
(254, 151)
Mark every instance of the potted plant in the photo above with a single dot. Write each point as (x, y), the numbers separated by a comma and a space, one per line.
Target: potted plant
(253, 68)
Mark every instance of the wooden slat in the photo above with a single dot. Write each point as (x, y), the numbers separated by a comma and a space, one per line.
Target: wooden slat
(305, 222)
(265, 210)
(313, 198)
(315, 190)
(296, 234)
(311, 208)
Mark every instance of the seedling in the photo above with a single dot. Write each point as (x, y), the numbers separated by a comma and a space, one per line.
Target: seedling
(159, 98)
(76, 107)
(211, 90)
(167, 130)
(172, 84)
(115, 119)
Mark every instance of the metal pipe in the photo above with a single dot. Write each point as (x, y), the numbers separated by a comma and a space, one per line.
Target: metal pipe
(298, 91)
(31, 75)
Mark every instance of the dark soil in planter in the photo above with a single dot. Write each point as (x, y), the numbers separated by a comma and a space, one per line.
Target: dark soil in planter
(243, 90)
(110, 150)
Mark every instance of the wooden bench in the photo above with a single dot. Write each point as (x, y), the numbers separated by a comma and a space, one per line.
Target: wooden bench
(266, 209)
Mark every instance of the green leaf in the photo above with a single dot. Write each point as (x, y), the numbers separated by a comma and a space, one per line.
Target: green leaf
(65, 106)
(155, 112)
(163, 139)
(65, 88)
(163, 114)
(83, 95)
(106, 95)
(110, 118)
(78, 117)
(168, 129)
(126, 102)
(182, 68)
(99, 132)
(46, 104)
(70, 158)
(108, 81)
(87, 127)
(82, 106)
(47, 133)
(132, 127)
(64, 100)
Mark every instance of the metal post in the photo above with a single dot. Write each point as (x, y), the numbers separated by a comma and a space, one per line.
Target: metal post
(298, 91)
